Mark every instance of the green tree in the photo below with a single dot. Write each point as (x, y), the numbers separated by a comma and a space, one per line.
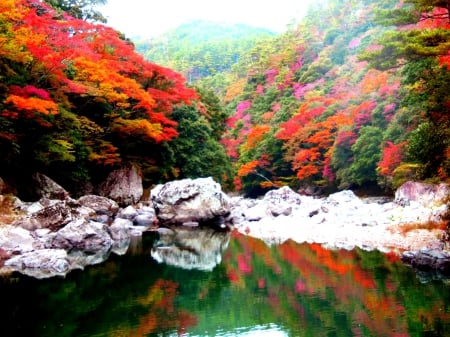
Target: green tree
(367, 154)
(426, 146)
(196, 151)
(80, 9)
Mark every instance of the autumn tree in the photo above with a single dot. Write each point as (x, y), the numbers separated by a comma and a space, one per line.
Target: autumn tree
(76, 100)
(422, 45)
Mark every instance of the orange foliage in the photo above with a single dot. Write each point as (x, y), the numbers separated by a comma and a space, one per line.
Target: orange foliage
(144, 128)
(255, 135)
(77, 61)
(31, 105)
(373, 81)
(248, 168)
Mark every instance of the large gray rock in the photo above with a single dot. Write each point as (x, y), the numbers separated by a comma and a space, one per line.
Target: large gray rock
(47, 188)
(427, 195)
(54, 215)
(283, 195)
(41, 263)
(101, 205)
(17, 240)
(84, 235)
(123, 185)
(281, 201)
(189, 200)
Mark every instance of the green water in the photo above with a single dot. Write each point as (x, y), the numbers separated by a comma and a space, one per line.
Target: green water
(255, 290)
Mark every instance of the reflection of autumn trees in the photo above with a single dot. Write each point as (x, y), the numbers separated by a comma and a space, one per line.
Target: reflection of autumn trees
(162, 313)
(313, 288)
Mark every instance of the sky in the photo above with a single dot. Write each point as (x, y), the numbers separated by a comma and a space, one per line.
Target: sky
(150, 18)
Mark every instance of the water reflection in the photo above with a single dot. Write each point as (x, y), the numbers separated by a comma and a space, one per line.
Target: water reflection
(256, 290)
(190, 248)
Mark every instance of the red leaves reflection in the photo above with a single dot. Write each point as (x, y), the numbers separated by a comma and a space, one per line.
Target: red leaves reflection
(162, 314)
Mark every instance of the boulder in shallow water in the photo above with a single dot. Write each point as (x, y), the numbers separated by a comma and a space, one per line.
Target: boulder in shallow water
(431, 263)
(188, 200)
(41, 263)
(84, 235)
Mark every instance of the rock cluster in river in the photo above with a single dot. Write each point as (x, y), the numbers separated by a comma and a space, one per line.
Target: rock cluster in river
(54, 236)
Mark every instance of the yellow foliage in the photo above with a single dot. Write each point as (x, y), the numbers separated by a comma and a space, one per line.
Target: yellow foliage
(138, 127)
(112, 86)
(235, 90)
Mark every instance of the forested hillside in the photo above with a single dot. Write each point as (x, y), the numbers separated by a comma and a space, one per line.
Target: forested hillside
(77, 101)
(201, 49)
(355, 96)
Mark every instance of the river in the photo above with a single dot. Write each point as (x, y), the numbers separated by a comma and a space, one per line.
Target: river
(251, 289)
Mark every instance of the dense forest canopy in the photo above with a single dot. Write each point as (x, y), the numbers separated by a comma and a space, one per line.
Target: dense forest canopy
(77, 101)
(355, 95)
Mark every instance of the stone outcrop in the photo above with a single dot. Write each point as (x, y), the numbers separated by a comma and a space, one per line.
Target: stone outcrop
(123, 186)
(431, 264)
(427, 195)
(51, 214)
(101, 205)
(82, 234)
(274, 203)
(47, 188)
(41, 263)
(189, 200)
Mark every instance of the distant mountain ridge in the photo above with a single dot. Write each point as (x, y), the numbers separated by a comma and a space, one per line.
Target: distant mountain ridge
(201, 48)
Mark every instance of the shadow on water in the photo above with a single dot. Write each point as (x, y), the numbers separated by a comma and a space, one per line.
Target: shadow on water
(203, 283)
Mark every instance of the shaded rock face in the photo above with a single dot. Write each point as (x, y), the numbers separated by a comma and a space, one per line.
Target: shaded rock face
(425, 194)
(101, 205)
(123, 186)
(431, 264)
(188, 248)
(188, 200)
(47, 188)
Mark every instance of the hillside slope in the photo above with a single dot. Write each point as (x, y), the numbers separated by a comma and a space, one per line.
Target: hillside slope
(199, 48)
(311, 112)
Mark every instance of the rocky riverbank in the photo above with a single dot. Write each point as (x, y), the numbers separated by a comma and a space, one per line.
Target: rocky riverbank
(54, 236)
